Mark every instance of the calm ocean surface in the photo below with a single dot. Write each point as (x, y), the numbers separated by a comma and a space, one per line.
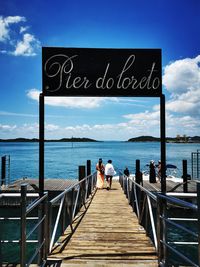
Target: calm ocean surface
(63, 158)
(62, 161)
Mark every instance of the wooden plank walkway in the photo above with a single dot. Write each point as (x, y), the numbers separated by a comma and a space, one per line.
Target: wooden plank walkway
(171, 186)
(108, 235)
(50, 184)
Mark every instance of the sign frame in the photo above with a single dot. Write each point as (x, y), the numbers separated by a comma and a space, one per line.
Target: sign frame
(101, 72)
(75, 90)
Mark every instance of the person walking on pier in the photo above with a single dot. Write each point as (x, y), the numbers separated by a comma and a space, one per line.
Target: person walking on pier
(152, 172)
(100, 173)
(109, 172)
(126, 172)
(159, 171)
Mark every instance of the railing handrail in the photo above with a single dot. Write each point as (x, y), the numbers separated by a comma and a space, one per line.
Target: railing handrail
(180, 202)
(68, 189)
(61, 198)
(153, 196)
(162, 200)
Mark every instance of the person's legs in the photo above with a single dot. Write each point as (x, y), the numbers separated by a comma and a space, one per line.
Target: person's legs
(107, 180)
(110, 181)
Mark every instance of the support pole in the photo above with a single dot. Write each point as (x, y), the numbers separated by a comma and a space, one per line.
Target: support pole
(163, 143)
(3, 170)
(88, 167)
(41, 143)
(185, 176)
(138, 174)
(81, 172)
(23, 226)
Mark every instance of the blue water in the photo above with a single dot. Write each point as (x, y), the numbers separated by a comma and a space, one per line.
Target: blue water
(62, 159)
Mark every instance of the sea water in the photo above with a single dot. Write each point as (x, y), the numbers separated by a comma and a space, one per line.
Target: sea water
(63, 158)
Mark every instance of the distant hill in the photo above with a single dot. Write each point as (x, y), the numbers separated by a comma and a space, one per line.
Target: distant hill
(188, 139)
(73, 139)
(144, 139)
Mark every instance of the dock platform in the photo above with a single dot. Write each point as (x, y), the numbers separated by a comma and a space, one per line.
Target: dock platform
(108, 234)
(50, 184)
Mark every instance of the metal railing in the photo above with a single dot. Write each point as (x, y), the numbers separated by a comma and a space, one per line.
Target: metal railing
(153, 212)
(47, 225)
(68, 203)
(39, 204)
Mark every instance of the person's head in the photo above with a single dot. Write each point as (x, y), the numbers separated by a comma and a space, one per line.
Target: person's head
(109, 161)
(159, 162)
(100, 160)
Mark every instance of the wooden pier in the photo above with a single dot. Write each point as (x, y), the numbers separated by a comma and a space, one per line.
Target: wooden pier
(108, 234)
(50, 184)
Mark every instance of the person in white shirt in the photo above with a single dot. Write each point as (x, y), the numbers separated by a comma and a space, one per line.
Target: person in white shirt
(109, 173)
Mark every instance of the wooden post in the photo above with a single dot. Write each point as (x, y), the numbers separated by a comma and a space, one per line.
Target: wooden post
(81, 172)
(88, 167)
(81, 176)
(185, 184)
(3, 170)
(137, 172)
(89, 180)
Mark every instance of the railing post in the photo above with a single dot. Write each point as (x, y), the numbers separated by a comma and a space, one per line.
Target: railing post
(185, 184)
(46, 227)
(159, 229)
(81, 176)
(50, 214)
(40, 233)
(23, 226)
(63, 222)
(89, 173)
(198, 204)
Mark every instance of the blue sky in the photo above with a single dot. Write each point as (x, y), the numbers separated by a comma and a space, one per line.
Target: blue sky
(173, 26)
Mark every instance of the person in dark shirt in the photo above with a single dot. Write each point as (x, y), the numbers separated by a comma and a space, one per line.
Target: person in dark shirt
(126, 172)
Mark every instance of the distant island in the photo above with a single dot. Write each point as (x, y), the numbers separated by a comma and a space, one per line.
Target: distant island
(73, 139)
(177, 139)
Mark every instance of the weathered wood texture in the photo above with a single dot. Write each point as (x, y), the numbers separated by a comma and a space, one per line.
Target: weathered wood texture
(171, 186)
(50, 184)
(108, 235)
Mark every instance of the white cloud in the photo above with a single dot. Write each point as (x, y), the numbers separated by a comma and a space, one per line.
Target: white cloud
(182, 79)
(27, 47)
(182, 75)
(67, 102)
(23, 29)
(6, 127)
(6, 113)
(15, 43)
(147, 123)
(5, 23)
